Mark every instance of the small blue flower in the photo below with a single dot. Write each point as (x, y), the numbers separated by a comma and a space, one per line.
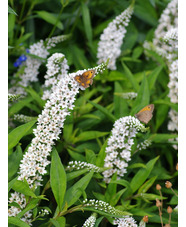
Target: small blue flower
(22, 58)
(17, 63)
(27, 50)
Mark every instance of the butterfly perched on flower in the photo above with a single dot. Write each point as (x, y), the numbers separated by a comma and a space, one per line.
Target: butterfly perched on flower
(86, 78)
(145, 114)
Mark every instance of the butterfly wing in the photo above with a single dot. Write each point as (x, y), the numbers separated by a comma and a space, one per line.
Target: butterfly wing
(145, 114)
(86, 78)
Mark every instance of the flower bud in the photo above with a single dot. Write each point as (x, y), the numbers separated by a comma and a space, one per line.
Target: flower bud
(167, 225)
(177, 167)
(169, 210)
(145, 219)
(158, 203)
(158, 187)
(168, 184)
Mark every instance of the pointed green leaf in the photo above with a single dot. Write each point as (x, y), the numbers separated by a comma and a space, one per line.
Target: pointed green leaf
(143, 97)
(16, 134)
(153, 76)
(23, 187)
(50, 18)
(130, 77)
(57, 178)
(11, 183)
(103, 110)
(142, 175)
(73, 193)
(14, 162)
(17, 222)
(86, 21)
(101, 155)
(147, 185)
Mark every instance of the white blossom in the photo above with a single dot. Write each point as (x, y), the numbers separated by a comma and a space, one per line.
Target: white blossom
(77, 165)
(30, 67)
(57, 69)
(112, 38)
(90, 222)
(125, 222)
(118, 150)
(50, 121)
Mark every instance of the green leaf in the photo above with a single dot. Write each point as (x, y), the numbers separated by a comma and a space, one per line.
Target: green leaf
(115, 198)
(168, 103)
(76, 156)
(98, 221)
(16, 134)
(162, 138)
(146, 12)
(59, 222)
(143, 97)
(142, 175)
(89, 135)
(147, 185)
(90, 156)
(31, 205)
(14, 161)
(161, 115)
(35, 96)
(50, 18)
(16, 107)
(130, 77)
(75, 174)
(57, 178)
(120, 104)
(10, 10)
(11, 183)
(137, 165)
(87, 21)
(103, 110)
(16, 221)
(101, 155)
(23, 38)
(153, 76)
(23, 187)
(73, 193)
(111, 189)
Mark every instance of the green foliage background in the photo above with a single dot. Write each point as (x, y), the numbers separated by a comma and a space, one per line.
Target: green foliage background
(87, 128)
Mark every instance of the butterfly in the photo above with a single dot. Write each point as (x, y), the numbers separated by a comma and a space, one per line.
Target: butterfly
(145, 114)
(86, 78)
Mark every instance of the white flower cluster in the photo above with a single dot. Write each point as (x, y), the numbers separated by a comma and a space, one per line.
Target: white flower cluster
(173, 124)
(143, 145)
(112, 38)
(43, 212)
(21, 201)
(167, 22)
(76, 165)
(13, 97)
(118, 150)
(173, 82)
(57, 68)
(31, 65)
(90, 222)
(125, 222)
(49, 125)
(165, 43)
(22, 118)
(102, 206)
(129, 95)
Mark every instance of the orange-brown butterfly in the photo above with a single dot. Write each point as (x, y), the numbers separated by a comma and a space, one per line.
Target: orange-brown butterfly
(145, 114)
(86, 78)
